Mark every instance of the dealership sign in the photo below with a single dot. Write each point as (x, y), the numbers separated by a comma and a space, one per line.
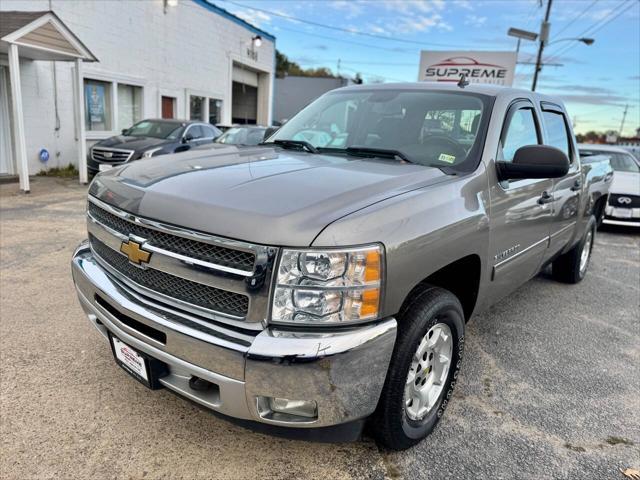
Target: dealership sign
(479, 67)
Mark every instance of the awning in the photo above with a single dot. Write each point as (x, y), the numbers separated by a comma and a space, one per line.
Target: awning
(41, 36)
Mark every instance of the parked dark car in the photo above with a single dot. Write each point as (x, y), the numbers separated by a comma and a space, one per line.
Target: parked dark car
(243, 135)
(149, 138)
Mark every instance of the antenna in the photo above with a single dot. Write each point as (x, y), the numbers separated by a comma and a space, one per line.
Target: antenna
(463, 82)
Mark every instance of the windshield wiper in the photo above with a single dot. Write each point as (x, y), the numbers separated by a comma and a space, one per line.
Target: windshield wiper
(377, 152)
(295, 143)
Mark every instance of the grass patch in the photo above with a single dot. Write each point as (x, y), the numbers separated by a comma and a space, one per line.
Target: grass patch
(70, 171)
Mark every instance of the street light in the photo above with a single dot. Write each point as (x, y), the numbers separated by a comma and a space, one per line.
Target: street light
(522, 35)
(257, 41)
(586, 41)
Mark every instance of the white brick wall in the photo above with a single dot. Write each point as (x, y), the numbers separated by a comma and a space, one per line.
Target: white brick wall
(188, 49)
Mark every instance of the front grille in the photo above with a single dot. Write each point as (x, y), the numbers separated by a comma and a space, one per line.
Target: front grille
(227, 257)
(107, 155)
(614, 201)
(175, 287)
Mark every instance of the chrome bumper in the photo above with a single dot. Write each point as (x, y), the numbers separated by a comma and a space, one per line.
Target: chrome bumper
(612, 219)
(342, 370)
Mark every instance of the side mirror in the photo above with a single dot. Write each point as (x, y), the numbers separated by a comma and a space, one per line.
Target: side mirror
(534, 161)
(269, 131)
(187, 138)
(125, 131)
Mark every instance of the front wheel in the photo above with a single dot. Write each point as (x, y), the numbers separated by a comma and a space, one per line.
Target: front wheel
(572, 266)
(423, 369)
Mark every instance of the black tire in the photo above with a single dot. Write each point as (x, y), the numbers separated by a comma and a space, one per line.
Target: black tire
(566, 268)
(598, 212)
(391, 426)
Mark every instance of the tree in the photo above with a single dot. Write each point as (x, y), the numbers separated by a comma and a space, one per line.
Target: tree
(284, 67)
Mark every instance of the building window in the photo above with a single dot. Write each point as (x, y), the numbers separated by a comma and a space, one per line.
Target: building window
(129, 105)
(196, 108)
(215, 111)
(97, 96)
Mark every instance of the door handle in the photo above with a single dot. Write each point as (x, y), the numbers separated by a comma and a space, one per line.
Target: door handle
(577, 185)
(546, 197)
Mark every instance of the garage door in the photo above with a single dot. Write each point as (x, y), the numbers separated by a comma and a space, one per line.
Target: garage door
(245, 76)
(244, 104)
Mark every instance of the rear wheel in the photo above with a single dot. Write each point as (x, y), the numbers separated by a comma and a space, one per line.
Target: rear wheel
(423, 369)
(572, 266)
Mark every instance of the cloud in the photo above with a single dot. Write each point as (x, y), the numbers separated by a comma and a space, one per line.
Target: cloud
(421, 23)
(413, 6)
(475, 20)
(590, 99)
(464, 4)
(285, 16)
(254, 17)
(351, 8)
(320, 47)
(584, 89)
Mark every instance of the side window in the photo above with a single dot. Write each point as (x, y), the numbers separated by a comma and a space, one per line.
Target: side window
(195, 131)
(521, 131)
(557, 134)
(209, 132)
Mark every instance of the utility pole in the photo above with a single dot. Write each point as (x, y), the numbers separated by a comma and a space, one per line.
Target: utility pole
(624, 117)
(544, 38)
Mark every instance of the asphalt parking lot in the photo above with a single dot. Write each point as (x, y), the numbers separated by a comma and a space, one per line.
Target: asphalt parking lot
(550, 386)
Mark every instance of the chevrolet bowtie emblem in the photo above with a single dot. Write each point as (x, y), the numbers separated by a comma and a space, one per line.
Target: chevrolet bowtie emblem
(134, 251)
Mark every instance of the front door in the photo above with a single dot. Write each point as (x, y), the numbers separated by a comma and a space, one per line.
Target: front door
(566, 190)
(520, 209)
(168, 107)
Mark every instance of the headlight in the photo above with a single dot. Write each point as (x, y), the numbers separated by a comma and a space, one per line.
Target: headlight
(328, 286)
(149, 153)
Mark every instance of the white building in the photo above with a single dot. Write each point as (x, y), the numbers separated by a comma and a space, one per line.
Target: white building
(133, 59)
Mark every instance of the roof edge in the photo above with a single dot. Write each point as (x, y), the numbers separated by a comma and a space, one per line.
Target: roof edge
(234, 18)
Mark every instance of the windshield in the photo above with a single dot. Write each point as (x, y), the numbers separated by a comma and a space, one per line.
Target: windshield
(150, 128)
(242, 136)
(620, 162)
(426, 127)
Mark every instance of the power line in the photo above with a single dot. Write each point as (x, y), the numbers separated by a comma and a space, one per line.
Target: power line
(355, 62)
(611, 20)
(597, 25)
(576, 18)
(340, 29)
(375, 75)
(351, 42)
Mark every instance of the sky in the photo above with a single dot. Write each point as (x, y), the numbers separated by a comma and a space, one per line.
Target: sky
(383, 40)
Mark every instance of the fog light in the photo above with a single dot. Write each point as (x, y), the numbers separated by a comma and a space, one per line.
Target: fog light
(300, 408)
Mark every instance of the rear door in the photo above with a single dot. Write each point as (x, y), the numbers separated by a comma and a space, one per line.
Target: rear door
(566, 190)
(520, 209)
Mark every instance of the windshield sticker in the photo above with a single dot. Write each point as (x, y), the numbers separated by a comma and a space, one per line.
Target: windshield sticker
(447, 158)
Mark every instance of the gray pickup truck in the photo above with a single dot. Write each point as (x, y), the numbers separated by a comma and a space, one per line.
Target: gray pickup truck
(325, 277)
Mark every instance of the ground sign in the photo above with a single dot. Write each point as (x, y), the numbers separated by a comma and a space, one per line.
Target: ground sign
(479, 67)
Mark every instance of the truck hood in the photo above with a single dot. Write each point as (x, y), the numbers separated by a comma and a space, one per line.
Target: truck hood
(261, 195)
(625, 183)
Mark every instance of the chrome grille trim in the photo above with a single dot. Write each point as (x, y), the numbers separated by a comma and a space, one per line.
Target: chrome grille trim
(118, 155)
(188, 293)
(214, 241)
(254, 285)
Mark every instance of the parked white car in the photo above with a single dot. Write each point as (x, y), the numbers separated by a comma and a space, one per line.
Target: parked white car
(623, 207)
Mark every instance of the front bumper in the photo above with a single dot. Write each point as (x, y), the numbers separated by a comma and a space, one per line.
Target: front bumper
(342, 370)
